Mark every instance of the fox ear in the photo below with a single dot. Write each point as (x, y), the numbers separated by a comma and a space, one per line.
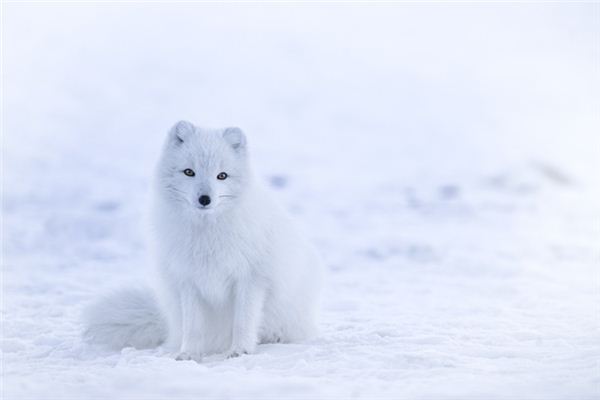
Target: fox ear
(180, 131)
(235, 137)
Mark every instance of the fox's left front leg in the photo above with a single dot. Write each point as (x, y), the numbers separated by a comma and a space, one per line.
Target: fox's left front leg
(191, 324)
(248, 305)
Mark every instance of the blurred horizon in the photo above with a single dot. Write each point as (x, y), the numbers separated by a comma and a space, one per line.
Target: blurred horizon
(461, 85)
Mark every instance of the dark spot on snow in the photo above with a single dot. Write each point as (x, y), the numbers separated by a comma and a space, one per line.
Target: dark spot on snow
(107, 206)
(449, 192)
(552, 173)
(529, 179)
(278, 181)
(374, 254)
(497, 181)
(335, 267)
(515, 183)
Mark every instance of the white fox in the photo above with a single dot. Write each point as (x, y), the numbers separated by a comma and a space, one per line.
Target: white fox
(232, 271)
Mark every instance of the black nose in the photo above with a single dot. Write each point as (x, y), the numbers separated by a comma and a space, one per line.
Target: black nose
(204, 200)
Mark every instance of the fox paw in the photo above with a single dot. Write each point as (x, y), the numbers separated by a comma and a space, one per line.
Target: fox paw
(236, 353)
(274, 338)
(185, 356)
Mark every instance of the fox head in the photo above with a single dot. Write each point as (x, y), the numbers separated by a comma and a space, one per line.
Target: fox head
(203, 170)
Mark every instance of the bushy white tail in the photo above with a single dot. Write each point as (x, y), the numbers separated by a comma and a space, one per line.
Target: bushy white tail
(125, 318)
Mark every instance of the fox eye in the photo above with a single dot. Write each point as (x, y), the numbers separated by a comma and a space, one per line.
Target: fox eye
(189, 172)
(222, 176)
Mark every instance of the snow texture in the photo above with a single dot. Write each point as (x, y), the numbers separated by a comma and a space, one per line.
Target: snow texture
(443, 158)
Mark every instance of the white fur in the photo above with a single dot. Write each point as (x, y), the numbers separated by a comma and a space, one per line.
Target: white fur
(126, 318)
(230, 275)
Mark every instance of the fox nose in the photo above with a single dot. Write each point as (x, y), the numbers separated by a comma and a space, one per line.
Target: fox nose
(204, 200)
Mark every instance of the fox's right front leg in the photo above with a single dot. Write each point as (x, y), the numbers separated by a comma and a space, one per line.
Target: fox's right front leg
(191, 325)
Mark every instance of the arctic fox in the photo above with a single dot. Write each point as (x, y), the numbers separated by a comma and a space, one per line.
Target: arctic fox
(232, 272)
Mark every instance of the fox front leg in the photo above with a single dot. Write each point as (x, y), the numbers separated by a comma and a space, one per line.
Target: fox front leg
(191, 325)
(248, 304)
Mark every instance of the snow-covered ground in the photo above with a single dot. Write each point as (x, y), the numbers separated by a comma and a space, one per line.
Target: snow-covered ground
(443, 157)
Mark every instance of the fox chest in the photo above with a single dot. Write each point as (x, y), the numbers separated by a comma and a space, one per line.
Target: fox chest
(215, 269)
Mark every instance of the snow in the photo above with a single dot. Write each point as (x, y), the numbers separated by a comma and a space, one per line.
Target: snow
(443, 157)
